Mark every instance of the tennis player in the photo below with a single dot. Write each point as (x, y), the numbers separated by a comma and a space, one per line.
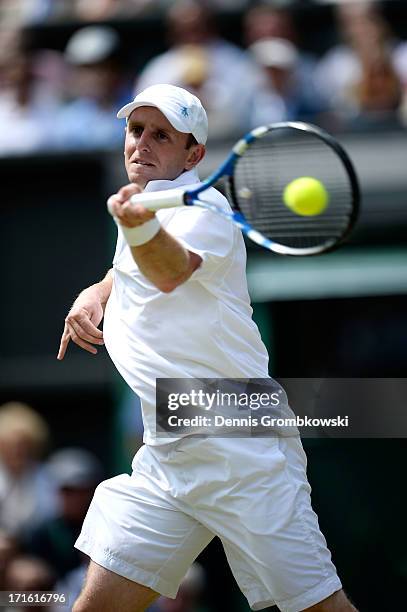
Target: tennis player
(175, 305)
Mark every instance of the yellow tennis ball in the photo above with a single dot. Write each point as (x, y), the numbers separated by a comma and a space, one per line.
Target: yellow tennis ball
(306, 196)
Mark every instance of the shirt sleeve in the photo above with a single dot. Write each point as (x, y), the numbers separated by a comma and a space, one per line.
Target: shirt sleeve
(205, 233)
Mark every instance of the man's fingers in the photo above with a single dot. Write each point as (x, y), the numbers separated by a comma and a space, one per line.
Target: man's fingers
(135, 210)
(131, 215)
(116, 200)
(82, 343)
(63, 344)
(113, 203)
(115, 207)
(119, 202)
(85, 328)
(80, 332)
(109, 205)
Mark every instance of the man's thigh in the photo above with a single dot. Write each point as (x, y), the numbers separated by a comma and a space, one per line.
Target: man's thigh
(105, 591)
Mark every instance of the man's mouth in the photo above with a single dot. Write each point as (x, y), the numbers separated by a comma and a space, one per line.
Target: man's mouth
(139, 162)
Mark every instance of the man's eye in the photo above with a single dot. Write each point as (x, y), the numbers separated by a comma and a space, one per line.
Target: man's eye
(137, 130)
(162, 136)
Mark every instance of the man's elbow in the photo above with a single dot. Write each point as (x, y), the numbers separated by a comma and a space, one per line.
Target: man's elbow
(167, 288)
(168, 285)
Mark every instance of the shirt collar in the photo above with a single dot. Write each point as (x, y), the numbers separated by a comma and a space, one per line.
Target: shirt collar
(189, 177)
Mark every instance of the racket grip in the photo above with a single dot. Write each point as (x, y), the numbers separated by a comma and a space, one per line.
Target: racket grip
(155, 200)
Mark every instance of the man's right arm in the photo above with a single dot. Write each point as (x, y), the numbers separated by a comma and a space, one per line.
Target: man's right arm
(81, 323)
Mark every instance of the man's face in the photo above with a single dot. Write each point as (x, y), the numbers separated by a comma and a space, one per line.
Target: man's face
(154, 149)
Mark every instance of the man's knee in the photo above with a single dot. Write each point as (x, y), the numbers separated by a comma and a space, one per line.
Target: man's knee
(337, 602)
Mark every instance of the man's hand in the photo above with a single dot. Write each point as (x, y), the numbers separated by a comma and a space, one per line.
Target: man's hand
(128, 214)
(84, 317)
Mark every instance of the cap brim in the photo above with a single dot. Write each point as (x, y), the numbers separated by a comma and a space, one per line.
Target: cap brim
(172, 118)
(126, 110)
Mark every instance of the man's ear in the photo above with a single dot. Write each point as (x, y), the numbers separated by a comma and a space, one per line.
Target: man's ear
(196, 153)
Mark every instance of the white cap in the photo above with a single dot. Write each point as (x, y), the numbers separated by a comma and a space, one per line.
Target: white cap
(91, 45)
(75, 468)
(274, 52)
(182, 109)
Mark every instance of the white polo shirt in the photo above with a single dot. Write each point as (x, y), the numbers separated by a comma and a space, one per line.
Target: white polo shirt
(203, 328)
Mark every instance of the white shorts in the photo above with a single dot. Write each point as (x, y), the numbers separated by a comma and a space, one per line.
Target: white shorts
(252, 493)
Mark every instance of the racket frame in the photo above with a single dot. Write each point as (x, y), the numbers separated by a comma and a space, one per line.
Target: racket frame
(191, 197)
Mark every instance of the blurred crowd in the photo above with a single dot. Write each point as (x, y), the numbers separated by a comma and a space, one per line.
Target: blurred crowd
(30, 12)
(66, 99)
(44, 497)
(42, 504)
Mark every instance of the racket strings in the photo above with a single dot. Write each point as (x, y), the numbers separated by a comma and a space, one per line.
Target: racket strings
(269, 165)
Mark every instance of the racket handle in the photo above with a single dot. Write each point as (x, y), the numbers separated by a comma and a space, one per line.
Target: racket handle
(155, 200)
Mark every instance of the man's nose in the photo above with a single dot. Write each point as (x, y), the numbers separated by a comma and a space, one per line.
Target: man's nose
(143, 142)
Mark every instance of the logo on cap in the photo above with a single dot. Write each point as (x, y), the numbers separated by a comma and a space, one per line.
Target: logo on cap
(184, 111)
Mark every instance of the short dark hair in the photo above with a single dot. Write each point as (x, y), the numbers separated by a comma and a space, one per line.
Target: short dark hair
(191, 140)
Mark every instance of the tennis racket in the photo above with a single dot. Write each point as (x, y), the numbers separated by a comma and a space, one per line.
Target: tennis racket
(258, 170)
